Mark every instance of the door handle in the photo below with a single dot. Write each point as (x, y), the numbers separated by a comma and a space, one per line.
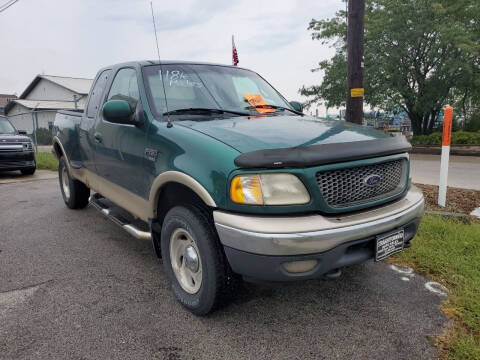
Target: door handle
(98, 137)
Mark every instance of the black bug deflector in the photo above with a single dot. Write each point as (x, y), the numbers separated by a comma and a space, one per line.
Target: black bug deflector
(303, 156)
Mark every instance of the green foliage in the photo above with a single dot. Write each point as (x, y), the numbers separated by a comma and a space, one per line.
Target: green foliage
(473, 123)
(333, 87)
(432, 139)
(46, 161)
(458, 138)
(467, 138)
(44, 136)
(418, 54)
(449, 251)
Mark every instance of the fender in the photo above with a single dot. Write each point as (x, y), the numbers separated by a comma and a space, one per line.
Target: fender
(56, 140)
(181, 178)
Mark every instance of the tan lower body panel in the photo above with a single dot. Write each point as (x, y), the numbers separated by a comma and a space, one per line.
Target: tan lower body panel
(115, 193)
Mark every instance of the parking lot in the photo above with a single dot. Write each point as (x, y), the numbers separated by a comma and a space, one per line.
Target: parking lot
(73, 285)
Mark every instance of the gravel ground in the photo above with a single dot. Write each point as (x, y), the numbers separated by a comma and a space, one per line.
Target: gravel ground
(75, 286)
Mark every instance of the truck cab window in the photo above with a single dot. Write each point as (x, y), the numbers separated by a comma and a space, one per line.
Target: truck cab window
(125, 87)
(97, 92)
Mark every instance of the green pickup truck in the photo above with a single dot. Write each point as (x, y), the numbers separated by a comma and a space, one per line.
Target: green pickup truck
(230, 181)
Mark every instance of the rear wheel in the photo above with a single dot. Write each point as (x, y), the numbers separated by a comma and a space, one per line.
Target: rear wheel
(75, 194)
(194, 261)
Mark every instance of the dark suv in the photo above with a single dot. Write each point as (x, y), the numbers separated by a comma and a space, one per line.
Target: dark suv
(16, 149)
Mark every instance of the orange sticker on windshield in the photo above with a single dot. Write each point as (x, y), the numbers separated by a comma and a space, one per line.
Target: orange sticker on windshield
(256, 100)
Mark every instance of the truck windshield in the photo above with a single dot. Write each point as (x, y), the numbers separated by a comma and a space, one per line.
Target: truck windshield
(6, 127)
(189, 87)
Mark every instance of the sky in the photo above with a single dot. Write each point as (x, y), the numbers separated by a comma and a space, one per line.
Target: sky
(76, 38)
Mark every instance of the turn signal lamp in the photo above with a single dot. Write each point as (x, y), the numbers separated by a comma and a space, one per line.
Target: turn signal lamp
(268, 189)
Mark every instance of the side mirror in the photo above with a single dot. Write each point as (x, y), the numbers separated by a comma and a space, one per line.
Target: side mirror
(297, 106)
(22, 132)
(118, 111)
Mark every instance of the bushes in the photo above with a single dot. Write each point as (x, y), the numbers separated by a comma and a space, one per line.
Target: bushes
(432, 139)
(464, 137)
(44, 136)
(458, 138)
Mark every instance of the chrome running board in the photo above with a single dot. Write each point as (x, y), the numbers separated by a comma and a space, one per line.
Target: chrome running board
(117, 219)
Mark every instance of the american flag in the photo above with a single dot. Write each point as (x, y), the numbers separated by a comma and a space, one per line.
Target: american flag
(234, 53)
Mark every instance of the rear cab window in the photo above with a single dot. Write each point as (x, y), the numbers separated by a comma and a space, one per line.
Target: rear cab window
(97, 92)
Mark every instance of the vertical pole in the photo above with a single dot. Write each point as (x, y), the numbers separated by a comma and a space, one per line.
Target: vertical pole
(36, 128)
(356, 14)
(33, 129)
(447, 134)
(34, 116)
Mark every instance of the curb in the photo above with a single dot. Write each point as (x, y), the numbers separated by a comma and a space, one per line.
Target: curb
(459, 150)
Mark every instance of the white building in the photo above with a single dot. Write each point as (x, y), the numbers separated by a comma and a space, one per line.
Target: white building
(45, 95)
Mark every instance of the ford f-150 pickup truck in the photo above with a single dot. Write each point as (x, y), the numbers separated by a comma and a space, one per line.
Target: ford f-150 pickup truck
(229, 180)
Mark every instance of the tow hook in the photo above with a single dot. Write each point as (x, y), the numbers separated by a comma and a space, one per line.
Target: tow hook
(333, 274)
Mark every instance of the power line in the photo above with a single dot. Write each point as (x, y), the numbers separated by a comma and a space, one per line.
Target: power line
(7, 5)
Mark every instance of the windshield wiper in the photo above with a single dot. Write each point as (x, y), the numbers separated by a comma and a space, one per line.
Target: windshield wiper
(205, 110)
(276, 108)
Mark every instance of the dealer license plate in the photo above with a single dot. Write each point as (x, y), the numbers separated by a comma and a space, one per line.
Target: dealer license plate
(390, 244)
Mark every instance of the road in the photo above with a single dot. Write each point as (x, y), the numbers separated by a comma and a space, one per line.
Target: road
(463, 172)
(7, 177)
(74, 285)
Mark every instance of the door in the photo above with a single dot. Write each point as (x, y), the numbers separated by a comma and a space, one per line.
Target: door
(87, 126)
(120, 148)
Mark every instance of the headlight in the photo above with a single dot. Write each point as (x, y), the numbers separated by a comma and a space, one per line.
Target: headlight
(27, 146)
(268, 189)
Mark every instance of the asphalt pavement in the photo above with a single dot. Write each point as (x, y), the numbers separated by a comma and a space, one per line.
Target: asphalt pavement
(7, 177)
(75, 286)
(463, 171)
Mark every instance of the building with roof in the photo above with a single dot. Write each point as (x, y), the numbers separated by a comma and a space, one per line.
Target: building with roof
(37, 105)
(4, 100)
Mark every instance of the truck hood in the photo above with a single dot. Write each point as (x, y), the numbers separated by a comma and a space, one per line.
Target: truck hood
(247, 134)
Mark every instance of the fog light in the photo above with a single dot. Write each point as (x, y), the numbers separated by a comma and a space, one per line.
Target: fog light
(302, 266)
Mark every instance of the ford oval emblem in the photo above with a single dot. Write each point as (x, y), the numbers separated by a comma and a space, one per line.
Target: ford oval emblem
(372, 180)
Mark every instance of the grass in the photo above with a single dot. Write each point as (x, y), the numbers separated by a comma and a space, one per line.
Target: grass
(448, 250)
(46, 161)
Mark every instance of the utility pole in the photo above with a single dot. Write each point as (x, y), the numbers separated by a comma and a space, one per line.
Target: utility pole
(356, 14)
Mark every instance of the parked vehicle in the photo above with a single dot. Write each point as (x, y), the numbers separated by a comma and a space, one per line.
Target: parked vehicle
(230, 180)
(16, 149)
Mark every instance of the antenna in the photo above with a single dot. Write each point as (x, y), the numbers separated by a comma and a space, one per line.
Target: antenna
(169, 123)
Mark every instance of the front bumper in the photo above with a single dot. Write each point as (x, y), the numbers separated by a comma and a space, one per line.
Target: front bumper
(252, 241)
(16, 160)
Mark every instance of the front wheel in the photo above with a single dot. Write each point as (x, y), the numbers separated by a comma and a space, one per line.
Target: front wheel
(75, 194)
(194, 261)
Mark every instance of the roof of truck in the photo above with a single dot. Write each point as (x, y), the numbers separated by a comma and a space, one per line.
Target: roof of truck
(167, 62)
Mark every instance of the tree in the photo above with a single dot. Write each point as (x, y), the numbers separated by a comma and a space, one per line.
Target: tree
(419, 54)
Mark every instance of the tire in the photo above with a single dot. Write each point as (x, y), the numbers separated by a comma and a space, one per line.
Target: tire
(200, 294)
(74, 193)
(29, 171)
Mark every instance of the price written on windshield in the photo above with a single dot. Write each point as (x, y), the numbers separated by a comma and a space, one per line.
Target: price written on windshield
(180, 79)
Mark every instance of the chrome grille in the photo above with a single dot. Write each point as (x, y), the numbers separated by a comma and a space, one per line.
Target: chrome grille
(15, 146)
(348, 186)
